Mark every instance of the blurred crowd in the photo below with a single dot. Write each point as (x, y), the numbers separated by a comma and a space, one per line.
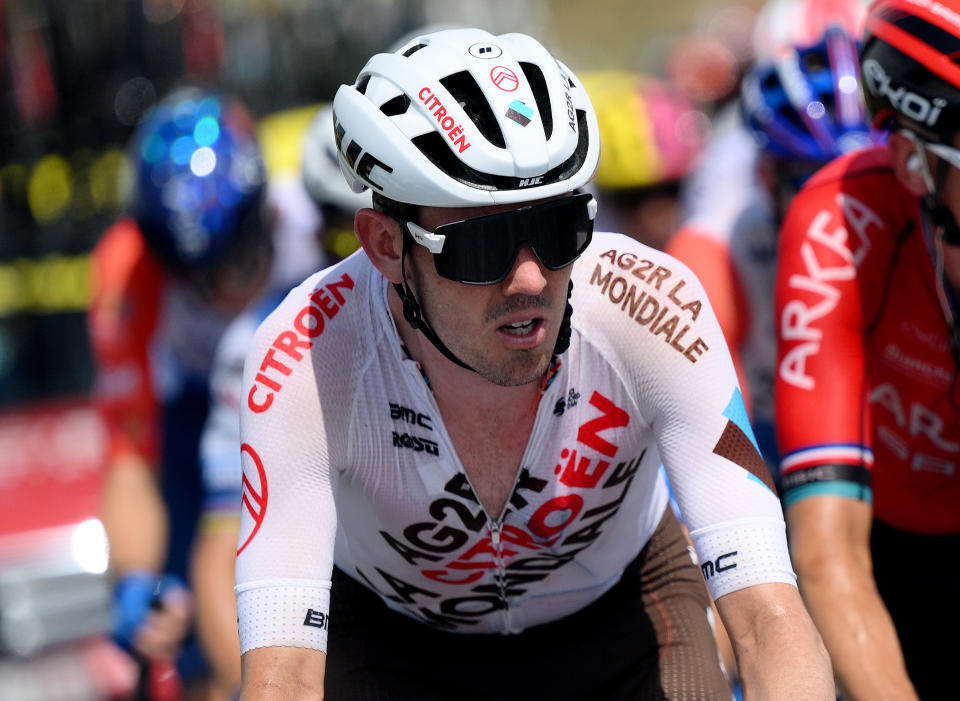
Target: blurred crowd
(168, 171)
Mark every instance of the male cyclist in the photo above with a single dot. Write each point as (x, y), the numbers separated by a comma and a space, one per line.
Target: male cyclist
(866, 393)
(452, 438)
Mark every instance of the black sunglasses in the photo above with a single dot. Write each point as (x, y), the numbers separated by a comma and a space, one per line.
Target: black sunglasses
(481, 251)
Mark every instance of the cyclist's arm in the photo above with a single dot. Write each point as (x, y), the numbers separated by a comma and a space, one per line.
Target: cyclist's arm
(830, 545)
(127, 286)
(736, 523)
(290, 452)
(134, 515)
(779, 653)
(214, 552)
(282, 673)
(212, 578)
(122, 320)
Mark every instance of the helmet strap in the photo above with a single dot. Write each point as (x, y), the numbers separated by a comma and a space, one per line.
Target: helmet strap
(563, 337)
(413, 314)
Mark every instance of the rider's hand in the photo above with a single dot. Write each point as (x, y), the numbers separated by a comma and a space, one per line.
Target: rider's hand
(152, 614)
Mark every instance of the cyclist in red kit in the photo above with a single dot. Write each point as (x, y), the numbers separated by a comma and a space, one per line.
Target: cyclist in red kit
(866, 389)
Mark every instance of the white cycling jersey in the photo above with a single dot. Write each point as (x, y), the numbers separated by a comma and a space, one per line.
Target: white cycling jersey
(346, 460)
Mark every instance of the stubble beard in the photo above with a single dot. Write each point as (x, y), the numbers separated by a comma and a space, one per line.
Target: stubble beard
(519, 367)
(524, 367)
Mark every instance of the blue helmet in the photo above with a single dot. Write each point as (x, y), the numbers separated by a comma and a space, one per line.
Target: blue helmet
(804, 105)
(199, 178)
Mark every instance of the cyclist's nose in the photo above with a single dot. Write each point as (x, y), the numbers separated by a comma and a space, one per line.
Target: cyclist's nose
(527, 276)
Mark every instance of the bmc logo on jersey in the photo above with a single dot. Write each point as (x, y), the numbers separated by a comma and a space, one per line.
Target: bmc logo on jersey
(721, 564)
(916, 107)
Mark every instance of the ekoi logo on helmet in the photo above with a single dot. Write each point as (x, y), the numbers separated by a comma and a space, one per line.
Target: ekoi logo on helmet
(919, 108)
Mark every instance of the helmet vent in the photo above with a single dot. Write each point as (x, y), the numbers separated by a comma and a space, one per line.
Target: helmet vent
(465, 90)
(539, 86)
(435, 148)
(413, 49)
(396, 106)
(362, 84)
(573, 164)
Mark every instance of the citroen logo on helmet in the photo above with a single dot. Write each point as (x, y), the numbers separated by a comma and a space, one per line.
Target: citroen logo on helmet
(916, 107)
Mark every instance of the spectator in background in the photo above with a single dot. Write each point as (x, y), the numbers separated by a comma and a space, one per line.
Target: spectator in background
(215, 547)
(195, 250)
(795, 113)
(651, 134)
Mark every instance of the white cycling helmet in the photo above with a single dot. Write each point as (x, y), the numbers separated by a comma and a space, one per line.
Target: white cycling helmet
(321, 170)
(461, 117)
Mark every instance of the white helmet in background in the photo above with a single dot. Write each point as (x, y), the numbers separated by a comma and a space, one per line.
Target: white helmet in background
(790, 24)
(320, 169)
(461, 117)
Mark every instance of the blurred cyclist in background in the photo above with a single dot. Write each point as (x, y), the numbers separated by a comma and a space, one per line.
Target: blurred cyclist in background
(324, 182)
(196, 249)
(651, 135)
(869, 351)
(799, 107)
(215, 549)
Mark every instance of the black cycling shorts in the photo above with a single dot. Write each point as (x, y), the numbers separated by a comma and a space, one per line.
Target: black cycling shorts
(647, 638)
(918, 577)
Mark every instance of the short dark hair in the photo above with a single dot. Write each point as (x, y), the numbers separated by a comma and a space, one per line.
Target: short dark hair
(402, 211)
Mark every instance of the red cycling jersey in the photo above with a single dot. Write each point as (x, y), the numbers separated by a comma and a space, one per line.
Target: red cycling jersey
(866, 391)
(128, 284)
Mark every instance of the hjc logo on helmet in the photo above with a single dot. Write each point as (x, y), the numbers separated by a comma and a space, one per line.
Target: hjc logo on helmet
(916, 107)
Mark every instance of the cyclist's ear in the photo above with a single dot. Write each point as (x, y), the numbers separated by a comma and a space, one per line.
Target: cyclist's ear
(382, 240)
(907, 165)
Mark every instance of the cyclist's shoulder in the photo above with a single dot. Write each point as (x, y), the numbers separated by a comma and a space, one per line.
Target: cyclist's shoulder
(613, 255)
(866, 167)
(128, 286)
(121, 259)
(637, 300)
(331, 317)
(859, 192)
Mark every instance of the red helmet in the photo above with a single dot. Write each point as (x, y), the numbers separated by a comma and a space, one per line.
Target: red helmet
(908, 66)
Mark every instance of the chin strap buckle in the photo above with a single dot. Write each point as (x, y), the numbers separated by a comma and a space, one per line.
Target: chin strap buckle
(411, 311)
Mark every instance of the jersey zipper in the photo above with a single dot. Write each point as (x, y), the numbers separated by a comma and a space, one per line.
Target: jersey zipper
(496, 524)
(495, 540)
